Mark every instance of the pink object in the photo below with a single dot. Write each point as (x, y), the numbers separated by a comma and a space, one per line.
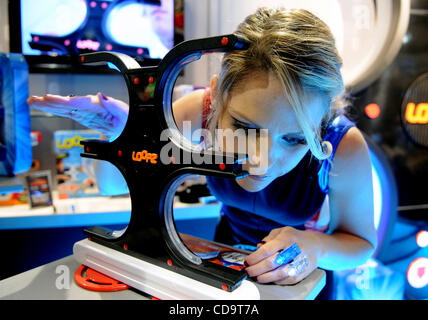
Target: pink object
(421, 272)
(88, 44)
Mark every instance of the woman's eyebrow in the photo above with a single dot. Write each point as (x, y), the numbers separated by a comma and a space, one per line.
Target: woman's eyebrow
(238, 117)
(295, 134)
(243, 120)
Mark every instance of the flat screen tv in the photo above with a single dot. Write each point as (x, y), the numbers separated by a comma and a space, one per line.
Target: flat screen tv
(52, 33)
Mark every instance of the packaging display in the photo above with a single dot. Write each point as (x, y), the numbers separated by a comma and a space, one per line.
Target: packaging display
(39, 188)
(14, 198)
(75, 176)
(221, 254)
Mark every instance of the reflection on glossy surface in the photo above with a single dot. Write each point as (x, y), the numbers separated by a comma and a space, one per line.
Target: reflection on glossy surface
(50, 17)
(144, 25)
(55, 27)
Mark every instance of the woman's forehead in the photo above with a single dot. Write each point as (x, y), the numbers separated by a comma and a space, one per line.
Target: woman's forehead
(261, 100)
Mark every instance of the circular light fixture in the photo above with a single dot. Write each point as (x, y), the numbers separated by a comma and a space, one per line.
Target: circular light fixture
(422, 238)
(368, 33)
(417, 273)
(372, 110)
(385, 196)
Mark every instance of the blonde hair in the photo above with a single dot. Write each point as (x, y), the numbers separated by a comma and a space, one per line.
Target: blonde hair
(300, 50)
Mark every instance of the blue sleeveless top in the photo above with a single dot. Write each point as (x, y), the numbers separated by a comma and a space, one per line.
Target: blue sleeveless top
(289, 200)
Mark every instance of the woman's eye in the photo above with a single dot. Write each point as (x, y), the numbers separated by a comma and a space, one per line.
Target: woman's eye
(294, 140)
(289, 140)
(239, 125)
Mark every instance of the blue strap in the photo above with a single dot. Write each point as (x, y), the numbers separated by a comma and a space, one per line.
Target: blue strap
(334, 135)
(323, 176)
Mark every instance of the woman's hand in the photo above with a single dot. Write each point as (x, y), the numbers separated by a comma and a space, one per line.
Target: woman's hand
(262, 263)
(105, 114)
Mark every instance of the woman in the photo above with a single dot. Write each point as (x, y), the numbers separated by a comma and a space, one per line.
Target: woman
(289, 83)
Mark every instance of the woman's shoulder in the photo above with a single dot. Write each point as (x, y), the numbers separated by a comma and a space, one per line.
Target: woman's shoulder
(343, 135)
(335, 130)
(351, 161)
(351, 144)
(189, 108)
(339, 123)
(347, 140)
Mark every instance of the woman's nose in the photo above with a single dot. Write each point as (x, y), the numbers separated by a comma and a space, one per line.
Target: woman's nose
(259, 154)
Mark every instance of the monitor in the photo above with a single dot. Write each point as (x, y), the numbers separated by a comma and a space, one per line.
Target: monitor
(52, 33)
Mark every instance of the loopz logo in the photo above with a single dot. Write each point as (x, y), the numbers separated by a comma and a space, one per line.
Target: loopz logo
(417, 113)
(144, 156)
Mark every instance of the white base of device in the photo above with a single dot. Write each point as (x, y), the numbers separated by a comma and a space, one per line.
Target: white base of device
(154, 280)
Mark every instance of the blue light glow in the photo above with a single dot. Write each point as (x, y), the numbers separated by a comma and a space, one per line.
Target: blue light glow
(377, 197)
(371, 281)
(287, 255)
(112, 66)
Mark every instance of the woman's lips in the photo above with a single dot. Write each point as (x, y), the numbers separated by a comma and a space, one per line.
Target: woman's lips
(259, 177)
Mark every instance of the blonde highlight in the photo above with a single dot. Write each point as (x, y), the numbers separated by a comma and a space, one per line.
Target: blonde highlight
(300, 50)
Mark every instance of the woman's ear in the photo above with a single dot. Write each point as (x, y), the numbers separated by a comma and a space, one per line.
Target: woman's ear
(214, 83)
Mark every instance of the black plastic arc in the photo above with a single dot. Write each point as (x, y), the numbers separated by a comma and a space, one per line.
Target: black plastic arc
(155, 158)
(168, 216)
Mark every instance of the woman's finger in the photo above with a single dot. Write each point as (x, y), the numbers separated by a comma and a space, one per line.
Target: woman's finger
(295, 271)
(266, 265)
(97, 112)
(265, 251)
(286, 274)
(279, 232)
(58, 105)
(76, 108)
(118, 111)
(86, 104)
(277, 274)
(277, 239)
(269, 257)
(56, 98)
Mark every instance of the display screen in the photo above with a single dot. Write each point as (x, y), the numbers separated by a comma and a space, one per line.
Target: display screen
(60, 28)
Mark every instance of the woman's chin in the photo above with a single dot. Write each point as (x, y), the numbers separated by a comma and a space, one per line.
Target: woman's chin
(254, 183)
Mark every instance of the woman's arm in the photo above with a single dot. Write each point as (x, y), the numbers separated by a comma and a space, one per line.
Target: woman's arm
(109, 115)
(189, 109)
(353, 238)
(98, 112)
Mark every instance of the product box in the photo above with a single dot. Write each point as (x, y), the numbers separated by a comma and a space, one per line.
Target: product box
(75, 175)
(38, 185)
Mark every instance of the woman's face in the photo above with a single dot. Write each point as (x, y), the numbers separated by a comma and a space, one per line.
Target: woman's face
(258, 102)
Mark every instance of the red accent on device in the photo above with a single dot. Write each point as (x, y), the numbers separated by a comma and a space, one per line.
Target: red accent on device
(90, 279)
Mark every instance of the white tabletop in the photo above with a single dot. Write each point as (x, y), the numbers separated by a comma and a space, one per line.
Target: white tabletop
(55, 281)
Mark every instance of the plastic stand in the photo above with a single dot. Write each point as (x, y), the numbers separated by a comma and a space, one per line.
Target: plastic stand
(152, 279)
